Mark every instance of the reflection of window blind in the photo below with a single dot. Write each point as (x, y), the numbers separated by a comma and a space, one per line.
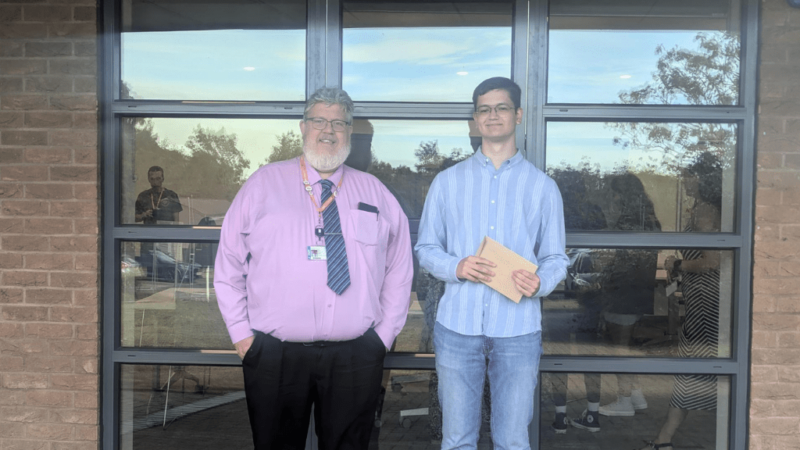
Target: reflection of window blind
(719, 15)
(373, 14)
(185, 15)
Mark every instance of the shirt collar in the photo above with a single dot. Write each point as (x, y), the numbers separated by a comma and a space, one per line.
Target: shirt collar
(484, 160)
(314, 178)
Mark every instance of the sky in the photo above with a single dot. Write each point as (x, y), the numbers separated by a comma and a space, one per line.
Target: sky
(388, 64)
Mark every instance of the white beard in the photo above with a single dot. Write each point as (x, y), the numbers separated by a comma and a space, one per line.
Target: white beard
(326, 163)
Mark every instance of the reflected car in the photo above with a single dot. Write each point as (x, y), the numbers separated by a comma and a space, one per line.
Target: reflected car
(581, 272)
(163, 267)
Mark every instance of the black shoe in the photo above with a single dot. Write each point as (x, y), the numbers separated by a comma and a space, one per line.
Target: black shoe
(561, 424)
(589, 421)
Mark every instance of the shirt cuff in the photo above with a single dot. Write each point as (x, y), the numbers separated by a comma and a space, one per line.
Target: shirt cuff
(385, 335)
(240, 331)
(453, 270)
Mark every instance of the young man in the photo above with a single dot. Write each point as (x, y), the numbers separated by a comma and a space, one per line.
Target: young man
(495, 193)
(313, 278)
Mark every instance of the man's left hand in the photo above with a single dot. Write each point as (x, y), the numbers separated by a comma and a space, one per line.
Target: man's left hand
(527, 282)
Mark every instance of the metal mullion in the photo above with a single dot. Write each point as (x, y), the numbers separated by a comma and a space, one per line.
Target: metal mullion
(413, 110)
(519, 64)
(333, 44)
(191, 109)
(656, 240)
(643, 365)
(645, 113)
(537, 81)
(315, 45)
(171, 234)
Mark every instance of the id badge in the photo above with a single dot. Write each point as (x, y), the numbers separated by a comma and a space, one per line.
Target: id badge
(317, 253)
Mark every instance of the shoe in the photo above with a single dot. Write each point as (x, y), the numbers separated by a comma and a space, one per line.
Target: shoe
(589, 421)
(620, 408)
(637, 399)
(561, 424)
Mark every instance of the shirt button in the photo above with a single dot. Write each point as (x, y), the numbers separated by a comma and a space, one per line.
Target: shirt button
(491, 228)
(495, 176)
(493, 201)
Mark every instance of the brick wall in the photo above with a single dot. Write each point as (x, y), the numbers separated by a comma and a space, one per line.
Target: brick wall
(775, 389)
(48, 225)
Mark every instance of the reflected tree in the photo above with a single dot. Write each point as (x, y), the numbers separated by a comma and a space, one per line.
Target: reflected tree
(290, 145)
(216, 163)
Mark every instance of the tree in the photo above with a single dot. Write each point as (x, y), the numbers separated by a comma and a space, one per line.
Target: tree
(217, 165)
(290, 145)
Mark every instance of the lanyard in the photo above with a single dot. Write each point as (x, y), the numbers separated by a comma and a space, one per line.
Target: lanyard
(155, 205)
(328, 202)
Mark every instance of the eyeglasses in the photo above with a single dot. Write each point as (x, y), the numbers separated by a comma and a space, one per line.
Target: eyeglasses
(501, 109)
(320, 124)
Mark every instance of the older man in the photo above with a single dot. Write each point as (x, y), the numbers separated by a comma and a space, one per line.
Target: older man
(313, 278)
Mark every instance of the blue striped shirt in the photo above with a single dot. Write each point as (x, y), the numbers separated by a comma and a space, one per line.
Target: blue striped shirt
(518, 206)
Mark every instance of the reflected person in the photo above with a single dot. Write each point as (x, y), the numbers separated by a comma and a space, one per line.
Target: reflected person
(157, 203)
(490, 194)
(700, 284)
(313, 279)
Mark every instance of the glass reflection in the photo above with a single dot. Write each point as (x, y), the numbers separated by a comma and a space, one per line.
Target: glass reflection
(168, 297)
(624, 302)
(169, 407)
(187, 171)
(215, 50)
(570, 424)
(444, 48)
(658, 52)
(642, 176)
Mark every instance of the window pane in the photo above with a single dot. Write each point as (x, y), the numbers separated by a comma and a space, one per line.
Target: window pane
(168, 297)
(706, 397)
(423, 51)
(204, 162)
(213, 50)
(644, 176)
(169, 407)
(621, 302)
(662, 52)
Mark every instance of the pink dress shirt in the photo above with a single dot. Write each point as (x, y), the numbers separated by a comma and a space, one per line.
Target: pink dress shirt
(264, 280)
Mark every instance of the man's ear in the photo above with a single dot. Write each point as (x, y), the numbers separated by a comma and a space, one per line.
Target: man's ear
(518, 115)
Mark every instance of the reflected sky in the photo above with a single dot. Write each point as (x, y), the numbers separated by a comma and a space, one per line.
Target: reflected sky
(244, 65)
(395, 140)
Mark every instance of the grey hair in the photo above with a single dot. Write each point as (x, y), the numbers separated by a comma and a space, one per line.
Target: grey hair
(331, 96)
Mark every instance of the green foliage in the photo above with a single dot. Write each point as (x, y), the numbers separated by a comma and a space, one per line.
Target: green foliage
(290, 145)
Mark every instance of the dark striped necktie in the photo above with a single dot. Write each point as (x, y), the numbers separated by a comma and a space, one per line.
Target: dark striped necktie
(338, 273)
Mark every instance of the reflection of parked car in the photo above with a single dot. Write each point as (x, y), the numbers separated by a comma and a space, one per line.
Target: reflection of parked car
(581, 271)
(165, 267)
(130, 267)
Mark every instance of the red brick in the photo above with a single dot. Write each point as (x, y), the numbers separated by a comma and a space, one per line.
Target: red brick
(86, 48)
(24, 278)
(49, 398)
(25, 243)
(770, 160)
(24, 313)
(11, 330)
(11, 260)
(775, 425)
(764, 339)
(86, 400)
(50, 431)
(23, 67)
(86, 432)
(86, 155)
(23, 414)
(73, 348)
(76, 446)
(11, 190)
(48, 84)
(790, 375)
(77, 30)
(10, 85)
(47, 13)
(74, 173)
(86, 365)
(72, 279)
(73, 66)
(78, 138)
(86, 226)
(24, 173)
(16, 137)
(10, 49)
(12, 430)
(49, 330)
(48, 226)
(11, 398)
(23, 31)
(787, 305)
(776, 356)
(77, 209)
(48, 296)
(11, 120)
(24, 208)
(48, 49)
(75, 382)
(85, 120)
(77, 416)
(84, 14)
(774, 250)
(73, 314)
(763, 303)
(85, 84)
(85, 297)
(86, 191)
(11, 155)
(49, 262)
(788, 340)
(75, 102)
(27, 445)
(25, 381)
(86, 262)
(48, 364)
(10, 364)
(73, 244)
(11, 226)
(48, 155)
(10, 14)
(48, 191)
(87, 331)
(10, 296)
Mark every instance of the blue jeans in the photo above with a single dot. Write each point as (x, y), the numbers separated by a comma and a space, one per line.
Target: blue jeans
(461, 364)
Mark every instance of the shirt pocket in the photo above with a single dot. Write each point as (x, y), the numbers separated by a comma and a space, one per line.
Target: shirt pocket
(367, 226)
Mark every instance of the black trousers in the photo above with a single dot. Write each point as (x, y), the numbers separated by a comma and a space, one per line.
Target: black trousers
(341, 379)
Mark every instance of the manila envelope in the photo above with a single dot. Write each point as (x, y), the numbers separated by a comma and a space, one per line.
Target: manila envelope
(507, 262)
